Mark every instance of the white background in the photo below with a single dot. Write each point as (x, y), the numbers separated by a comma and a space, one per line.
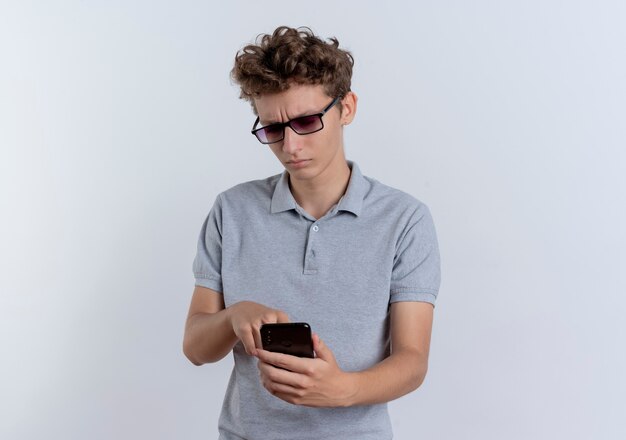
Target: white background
(119, 125)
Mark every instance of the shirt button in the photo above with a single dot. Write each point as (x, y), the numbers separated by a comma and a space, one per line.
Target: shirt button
(316, 228)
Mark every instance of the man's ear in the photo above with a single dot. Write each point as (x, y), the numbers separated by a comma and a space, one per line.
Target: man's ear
(349, 104)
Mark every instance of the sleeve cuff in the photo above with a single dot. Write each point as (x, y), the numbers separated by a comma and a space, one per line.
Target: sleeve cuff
(424, 295)
(209, 283)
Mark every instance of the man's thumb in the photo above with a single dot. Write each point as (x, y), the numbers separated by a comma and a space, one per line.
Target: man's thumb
(321, 350)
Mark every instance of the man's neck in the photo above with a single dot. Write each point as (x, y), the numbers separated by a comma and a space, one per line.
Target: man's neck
(316, 197)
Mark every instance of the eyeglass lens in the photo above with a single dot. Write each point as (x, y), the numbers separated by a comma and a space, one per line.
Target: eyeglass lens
(302, 125)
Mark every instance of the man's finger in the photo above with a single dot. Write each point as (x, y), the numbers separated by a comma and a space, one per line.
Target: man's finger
(286, 361)
(277, 375)
(282, 317)
(257, 337)
(282, 391)
(321, 350)
(248, 342)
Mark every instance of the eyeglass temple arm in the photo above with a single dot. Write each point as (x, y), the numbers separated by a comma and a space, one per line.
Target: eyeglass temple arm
(331, 105)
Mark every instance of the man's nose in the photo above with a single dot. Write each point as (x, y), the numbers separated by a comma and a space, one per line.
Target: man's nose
(291, 141)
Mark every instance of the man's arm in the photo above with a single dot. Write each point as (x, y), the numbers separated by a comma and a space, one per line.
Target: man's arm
(405, 369)
(320, 382)
(212, 330)
(207, 316)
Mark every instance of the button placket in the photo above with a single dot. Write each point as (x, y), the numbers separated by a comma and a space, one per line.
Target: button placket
(310, 262)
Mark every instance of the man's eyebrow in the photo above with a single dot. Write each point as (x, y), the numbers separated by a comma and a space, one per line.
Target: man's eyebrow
(274, 121)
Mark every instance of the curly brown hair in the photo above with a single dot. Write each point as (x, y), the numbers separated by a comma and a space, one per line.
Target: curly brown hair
(291, 56)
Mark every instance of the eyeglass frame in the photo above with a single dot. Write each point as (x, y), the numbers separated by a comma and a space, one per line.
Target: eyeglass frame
(288, 123)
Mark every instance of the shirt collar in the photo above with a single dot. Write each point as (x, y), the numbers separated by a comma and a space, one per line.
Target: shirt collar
(352, 200)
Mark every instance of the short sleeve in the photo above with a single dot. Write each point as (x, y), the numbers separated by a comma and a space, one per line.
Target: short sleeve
(416, 273)
(207, 265)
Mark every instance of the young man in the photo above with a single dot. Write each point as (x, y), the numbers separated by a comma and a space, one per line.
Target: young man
(320, 243)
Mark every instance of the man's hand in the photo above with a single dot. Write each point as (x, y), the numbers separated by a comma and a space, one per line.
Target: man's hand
(247, 317)
(315, 382)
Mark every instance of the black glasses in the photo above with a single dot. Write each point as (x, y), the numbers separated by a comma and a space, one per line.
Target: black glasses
(302, 125)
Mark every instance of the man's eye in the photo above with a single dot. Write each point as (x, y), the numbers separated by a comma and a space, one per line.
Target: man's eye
(306, 123)
(273, 129)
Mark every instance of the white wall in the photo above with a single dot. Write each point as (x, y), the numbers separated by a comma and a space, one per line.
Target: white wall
(118, 126)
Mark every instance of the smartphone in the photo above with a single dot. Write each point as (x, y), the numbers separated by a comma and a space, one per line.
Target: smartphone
(290, 338)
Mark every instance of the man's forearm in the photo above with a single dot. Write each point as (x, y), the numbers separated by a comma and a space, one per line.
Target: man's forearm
(395, 376)
(208, 337)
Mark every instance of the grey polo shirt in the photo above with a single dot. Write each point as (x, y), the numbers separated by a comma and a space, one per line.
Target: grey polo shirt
(339, 273)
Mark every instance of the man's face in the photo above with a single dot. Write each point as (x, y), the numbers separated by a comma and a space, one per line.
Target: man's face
(322, 150)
